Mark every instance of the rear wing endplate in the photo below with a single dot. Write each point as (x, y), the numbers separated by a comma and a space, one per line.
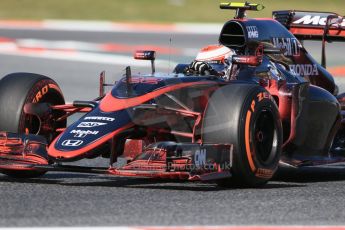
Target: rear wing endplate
(307, 25)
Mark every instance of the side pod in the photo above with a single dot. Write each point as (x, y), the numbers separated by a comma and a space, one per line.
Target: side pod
(315, 116)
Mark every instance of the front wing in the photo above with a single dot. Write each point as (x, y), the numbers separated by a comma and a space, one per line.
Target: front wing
(167, 160)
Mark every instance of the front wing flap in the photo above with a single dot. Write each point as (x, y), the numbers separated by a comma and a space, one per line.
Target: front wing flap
(22, 152)
(186, 161)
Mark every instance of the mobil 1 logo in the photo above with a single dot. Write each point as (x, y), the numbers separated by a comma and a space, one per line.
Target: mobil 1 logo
(83, 133)
(290, 46)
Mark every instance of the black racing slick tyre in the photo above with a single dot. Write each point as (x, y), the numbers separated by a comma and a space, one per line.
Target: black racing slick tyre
(18, 89)
(246, 116)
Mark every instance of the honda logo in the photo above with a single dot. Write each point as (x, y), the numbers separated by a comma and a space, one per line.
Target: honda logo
(72, 143)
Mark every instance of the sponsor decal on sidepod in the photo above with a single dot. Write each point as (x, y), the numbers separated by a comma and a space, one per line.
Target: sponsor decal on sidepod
(304, 69)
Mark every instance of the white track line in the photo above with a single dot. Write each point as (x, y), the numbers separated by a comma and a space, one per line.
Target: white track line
(72, 51)
(111, 59)
(87, 46)
(107, 26)
(65, 44)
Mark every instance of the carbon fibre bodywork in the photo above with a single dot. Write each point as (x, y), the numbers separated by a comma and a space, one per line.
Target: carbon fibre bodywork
(157, 121)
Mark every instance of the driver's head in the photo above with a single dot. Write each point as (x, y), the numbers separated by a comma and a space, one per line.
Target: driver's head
(218, 56)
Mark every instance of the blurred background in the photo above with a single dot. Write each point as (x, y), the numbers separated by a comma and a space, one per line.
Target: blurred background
(147, 10)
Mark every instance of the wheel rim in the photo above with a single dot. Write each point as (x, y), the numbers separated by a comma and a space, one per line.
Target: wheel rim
(265, 137)
(32, 124)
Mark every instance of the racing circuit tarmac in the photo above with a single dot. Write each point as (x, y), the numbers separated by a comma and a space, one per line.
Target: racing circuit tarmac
(310, 196)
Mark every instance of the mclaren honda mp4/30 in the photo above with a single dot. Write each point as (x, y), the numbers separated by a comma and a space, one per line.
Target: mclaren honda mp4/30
(275, 105)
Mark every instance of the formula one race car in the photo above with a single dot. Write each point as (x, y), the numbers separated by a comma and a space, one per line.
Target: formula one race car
(273, 105)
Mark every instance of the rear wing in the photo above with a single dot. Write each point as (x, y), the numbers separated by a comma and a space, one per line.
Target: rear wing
(312, 25)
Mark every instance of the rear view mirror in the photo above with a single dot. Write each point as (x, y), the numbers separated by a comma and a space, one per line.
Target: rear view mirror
(145, 55)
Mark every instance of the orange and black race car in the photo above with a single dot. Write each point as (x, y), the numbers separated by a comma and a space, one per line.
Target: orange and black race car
(273, 104)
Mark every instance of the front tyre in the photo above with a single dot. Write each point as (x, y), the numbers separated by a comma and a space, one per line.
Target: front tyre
(18, 89)
(246, 116)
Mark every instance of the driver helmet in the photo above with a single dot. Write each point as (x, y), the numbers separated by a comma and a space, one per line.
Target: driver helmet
(218, 56)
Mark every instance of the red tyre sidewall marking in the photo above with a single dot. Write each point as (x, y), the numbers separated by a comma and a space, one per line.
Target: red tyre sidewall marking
(247, 141)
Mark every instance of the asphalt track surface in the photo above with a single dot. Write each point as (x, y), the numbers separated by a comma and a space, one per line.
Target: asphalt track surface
(309, 196)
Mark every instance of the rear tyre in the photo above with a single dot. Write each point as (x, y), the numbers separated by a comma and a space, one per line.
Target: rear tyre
(16, 90)
(246, 116)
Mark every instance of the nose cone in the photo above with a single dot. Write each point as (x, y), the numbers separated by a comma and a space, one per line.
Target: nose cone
(89, 132)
